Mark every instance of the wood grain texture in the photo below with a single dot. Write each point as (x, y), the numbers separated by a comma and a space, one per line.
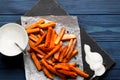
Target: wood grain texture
(91, 6)
(12, 7)
(71, 6)
(11, 74)
(99, 18)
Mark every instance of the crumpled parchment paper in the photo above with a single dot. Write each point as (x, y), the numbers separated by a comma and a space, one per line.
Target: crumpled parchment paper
(71, 25)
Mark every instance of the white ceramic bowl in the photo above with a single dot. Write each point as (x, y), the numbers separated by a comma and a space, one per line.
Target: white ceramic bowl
(10, 34)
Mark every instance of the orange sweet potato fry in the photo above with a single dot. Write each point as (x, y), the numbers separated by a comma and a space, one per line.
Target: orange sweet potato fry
(61, 56)
(31, 43)
(60, 35)
(60, 66)
(52, 69)
(50, 62)
(73, 64)
(71, 50)
(38, 36)
(39, 56)
(53, 37)
(47, 73)
(68, 36)
(68, 49)
(33, 37)
(38, 50)
(48, 37)
(40, 39)
(41, 21)
(42, 47)
(75, 51)
(64, 66)
(68, 73)
(79, 72)
(36, 61)
(41, 32)
(35, 30)
(57, 47)
(46, 25)
(56, 55)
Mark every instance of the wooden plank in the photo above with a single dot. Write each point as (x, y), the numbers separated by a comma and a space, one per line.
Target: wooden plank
(12, 68)
(91, 6)
(6, 74)
(112, 75)
(112, 48)
(16, 6)
(117, 66)
(101, 27)
(8, 18)
(11, 62)
(71, 6)
(102, 21)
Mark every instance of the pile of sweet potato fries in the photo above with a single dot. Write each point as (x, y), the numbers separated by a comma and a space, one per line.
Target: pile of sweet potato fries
(48, 52)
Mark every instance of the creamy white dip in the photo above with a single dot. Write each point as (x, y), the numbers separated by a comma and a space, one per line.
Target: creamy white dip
(95, 61)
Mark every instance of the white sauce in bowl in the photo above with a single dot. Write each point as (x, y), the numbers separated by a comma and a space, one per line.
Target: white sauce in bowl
(10, 34)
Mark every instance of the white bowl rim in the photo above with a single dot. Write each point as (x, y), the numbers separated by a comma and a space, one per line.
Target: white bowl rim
(23, 30)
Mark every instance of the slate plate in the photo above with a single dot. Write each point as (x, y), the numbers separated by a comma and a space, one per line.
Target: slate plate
(52, 8)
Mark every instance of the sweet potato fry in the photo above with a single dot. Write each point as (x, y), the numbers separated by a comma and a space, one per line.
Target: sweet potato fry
(46, 25)
(56, 55)
(60, 35)
(70, 51)
(39, 56)
(53, 50)
(68, 73)
(79, 72)
(73, 54)
(60, 66)
(50, 62)
(41, 32)
(33, 37)
(40, 39)
(73, 64)
(68, 36)
(38, 36)
(61, 56)
(64, 66)
(36, 62)
(31, 43)
(38, 50)
(48, 37)
(47, 73)
(41, 21)
(35, 30)
(53, 37)
(42, 47)
(52, 69)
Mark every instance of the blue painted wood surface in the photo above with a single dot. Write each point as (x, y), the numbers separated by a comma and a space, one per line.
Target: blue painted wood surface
(99, 18)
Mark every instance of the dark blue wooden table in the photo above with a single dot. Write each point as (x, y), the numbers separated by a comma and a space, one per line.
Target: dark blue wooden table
(99, 18)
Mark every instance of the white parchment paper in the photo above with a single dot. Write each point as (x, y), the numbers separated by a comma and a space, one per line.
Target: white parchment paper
(71, 25)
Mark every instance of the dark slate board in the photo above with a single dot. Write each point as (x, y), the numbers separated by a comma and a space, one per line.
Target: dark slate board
(50, 7)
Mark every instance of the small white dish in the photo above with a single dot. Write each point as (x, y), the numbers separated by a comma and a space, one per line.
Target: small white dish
(10, 34)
